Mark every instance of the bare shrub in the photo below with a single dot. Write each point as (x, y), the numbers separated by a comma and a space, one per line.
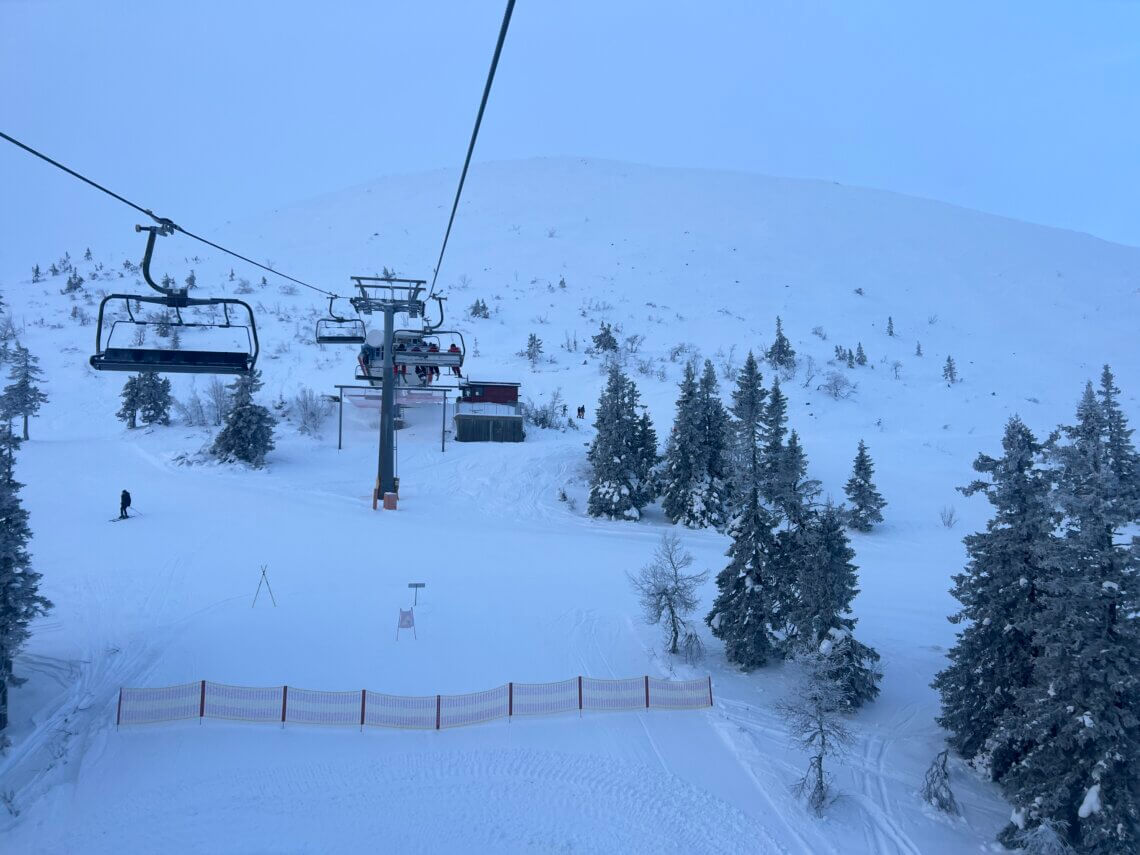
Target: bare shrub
(311, 410)
(949, 516)
(838, 386)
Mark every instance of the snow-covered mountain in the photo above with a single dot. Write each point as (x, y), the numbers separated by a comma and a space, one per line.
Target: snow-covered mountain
(523, 586)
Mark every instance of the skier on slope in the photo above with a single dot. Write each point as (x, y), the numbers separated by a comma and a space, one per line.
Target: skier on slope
(124, 503)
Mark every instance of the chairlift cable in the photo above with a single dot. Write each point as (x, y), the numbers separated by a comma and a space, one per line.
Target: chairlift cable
(474, 135)
(162, 221)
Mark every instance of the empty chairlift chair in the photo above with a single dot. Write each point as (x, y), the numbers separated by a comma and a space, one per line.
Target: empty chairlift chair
(337, 330)
(170, 360)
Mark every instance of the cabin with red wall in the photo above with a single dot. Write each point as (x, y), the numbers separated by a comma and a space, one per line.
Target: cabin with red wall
(488, 411)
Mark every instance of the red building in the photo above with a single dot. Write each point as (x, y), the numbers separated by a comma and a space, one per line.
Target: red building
(488, 411)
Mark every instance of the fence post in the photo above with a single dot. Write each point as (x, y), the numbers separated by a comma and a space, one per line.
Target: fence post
(363, 701)
(119, 714)
(579, 694)
(202, 703)
(284, 700)
(510, 699)
(437, 712)
(710, 690)
(647, 691)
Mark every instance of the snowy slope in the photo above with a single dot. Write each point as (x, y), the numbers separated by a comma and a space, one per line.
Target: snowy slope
(522, 586)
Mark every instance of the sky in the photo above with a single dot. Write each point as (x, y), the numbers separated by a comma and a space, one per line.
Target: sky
(209, 112)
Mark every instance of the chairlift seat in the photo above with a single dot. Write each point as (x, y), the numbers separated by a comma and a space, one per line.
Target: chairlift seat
(340, 331)
(172, 361)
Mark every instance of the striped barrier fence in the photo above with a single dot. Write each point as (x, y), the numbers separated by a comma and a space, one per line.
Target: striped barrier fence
(292, 705)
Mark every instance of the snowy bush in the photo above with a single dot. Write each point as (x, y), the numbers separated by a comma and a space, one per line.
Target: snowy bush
(311, 410)
(836, 385)
(550, 416)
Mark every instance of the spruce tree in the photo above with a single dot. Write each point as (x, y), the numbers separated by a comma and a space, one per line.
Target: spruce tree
(154, 398)
(747, 426)
(866, 502)
(716, 452)
(22, 397)
(950, 370)
(774, 427)
(248, 432)
(992, 662)
(604, 339)
(860, 356)
(1120, 454)
(617, 463)
(741, 612)
(645, 451)
(20, 600)
(1078, 724)
(129, 411)
(890, 326)
(850, 358)
(918, 348)
(781, 354)
(684, 460)
(792, 491)
(820, 619)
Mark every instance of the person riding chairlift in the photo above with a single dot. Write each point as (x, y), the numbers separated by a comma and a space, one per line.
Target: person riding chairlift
(434, 348)
(454, 349)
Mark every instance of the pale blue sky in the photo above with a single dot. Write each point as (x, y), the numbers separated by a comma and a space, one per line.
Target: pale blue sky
(212, 110)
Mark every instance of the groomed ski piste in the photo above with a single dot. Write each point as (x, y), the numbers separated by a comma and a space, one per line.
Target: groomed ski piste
(520, 585)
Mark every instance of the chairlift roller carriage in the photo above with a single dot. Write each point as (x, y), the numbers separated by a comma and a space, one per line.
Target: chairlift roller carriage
(186, 360)
(337, 330)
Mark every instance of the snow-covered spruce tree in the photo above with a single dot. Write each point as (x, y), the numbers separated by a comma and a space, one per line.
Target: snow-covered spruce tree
(890, 326)
(774, 427)
(747, 425)
(815, 721)
(682, 494)
(22, 397)
(668, 595)
(248, 432)
(617, 466)
(715, 439)
(781, 354)
(20, 600)
(860, 356)
(866, 502)
(646, 454)
(741, 612)
(129, 411)
(793, 493)
(918, 348)
(146, 394)
(154, 398)
(604, 339)
(992, 662)
(1078, 719)
(819, 619)
(1120, 454)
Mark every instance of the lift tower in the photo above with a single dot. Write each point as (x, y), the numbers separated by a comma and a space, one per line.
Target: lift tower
(389, 295)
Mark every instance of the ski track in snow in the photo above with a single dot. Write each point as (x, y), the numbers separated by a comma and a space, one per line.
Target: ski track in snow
(430, 802)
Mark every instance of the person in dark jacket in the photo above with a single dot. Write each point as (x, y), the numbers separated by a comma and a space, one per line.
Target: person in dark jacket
(124, 503)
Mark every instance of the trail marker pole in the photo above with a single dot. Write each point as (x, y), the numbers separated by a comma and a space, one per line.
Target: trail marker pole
(264, 579)
(415, 586)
